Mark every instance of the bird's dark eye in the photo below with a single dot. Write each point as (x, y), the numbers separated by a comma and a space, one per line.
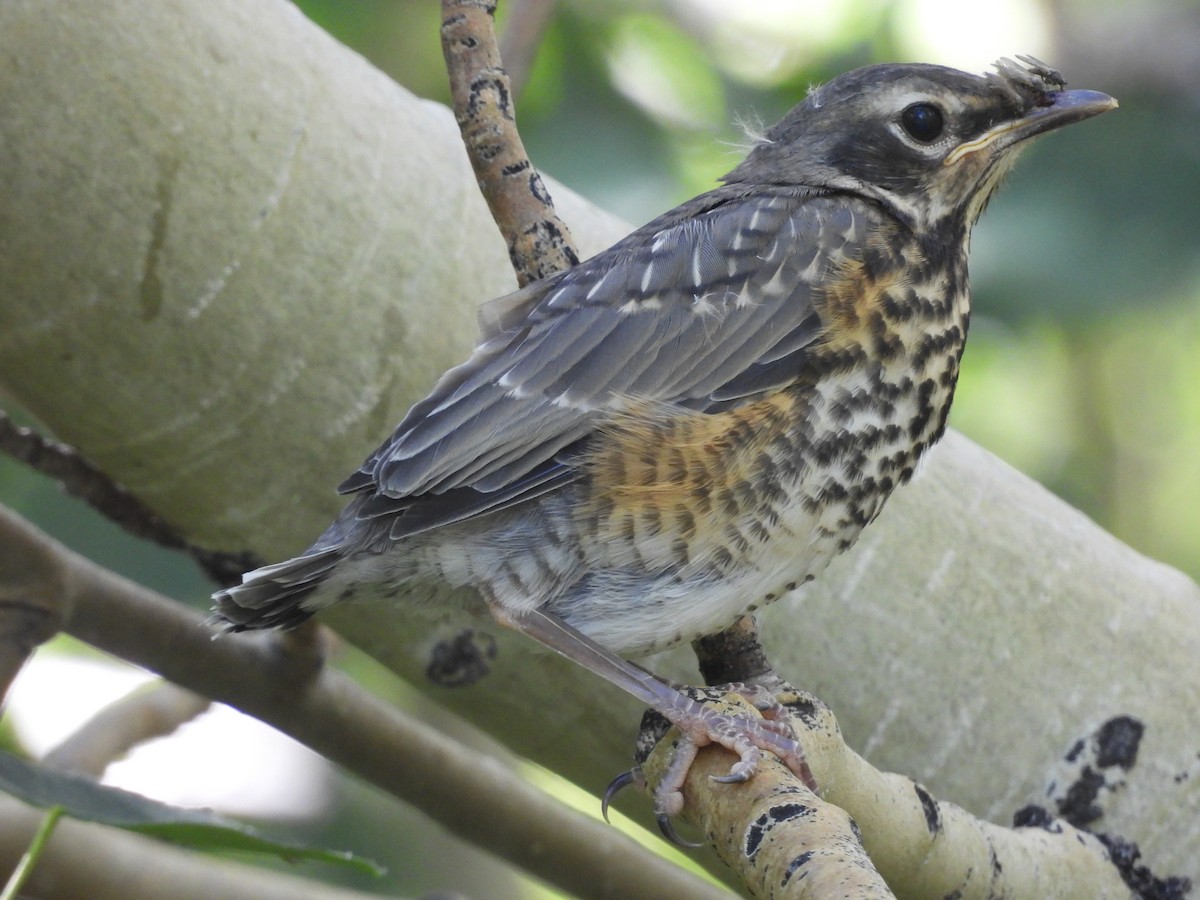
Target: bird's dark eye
(923, 121)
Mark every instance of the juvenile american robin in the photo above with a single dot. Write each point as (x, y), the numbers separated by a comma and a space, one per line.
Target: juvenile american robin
(695, 421)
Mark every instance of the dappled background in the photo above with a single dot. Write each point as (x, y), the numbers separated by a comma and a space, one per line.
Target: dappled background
(1083, 366)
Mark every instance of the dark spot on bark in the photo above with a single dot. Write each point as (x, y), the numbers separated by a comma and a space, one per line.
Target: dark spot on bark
(805, 708)
(754, 836)
(786, 812)
(1079, 805)
(1142, 882)
(1118, 740)
(933, 818)
(794, 866)
(477, 92)
(461, 660)
(732, 655)
(1034, 816)
(151, 287)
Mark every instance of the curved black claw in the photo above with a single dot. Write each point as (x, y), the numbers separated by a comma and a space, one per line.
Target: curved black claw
(618, 784)
(669, 832)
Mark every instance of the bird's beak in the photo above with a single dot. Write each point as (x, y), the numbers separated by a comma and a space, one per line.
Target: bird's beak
(1061, 108)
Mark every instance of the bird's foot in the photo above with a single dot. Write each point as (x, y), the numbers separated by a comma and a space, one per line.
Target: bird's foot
(720, 716)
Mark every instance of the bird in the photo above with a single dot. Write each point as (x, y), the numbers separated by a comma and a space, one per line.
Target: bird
(694, 422)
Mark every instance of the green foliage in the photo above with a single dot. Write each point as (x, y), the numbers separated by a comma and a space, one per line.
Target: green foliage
(83, 798)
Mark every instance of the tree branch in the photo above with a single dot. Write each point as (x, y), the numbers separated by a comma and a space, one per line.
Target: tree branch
(31, 605)
(145, 714)
(90, 484)
(780, 838)
(784, 841)
(539, 242)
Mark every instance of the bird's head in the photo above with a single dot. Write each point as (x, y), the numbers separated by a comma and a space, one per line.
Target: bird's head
(929, 142)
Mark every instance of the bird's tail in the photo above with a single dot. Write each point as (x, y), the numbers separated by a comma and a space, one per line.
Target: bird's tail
(274, 596)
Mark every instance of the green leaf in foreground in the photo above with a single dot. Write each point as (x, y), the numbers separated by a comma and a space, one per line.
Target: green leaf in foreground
(82, 798)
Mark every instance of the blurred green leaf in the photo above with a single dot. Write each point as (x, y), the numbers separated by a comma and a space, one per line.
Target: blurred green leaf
(665, 72)
(82, 798)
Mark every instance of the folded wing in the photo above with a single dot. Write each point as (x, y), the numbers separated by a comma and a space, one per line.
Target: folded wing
(700, 309)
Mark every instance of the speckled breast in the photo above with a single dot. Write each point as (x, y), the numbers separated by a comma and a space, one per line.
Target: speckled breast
(689, 520)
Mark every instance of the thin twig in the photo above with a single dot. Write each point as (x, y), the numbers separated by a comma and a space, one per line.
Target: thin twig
(80, 478)
(141, 716)
(23, 628)
(539, 243)
(32, 605)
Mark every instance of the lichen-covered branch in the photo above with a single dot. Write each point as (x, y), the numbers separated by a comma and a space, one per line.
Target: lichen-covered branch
(783, 840)
(539, 242)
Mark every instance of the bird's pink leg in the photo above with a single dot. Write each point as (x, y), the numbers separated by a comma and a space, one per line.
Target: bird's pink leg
(700, 725)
